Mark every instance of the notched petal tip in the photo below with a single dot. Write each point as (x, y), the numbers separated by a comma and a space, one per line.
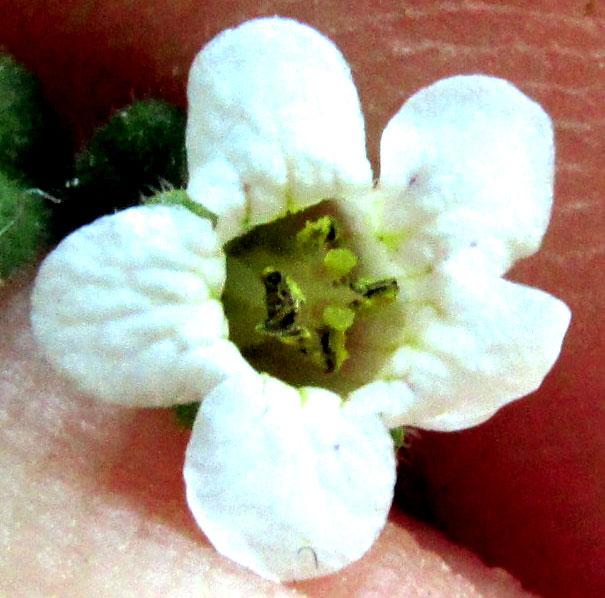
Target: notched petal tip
(290, 484)
(274, 124)
(126, 305)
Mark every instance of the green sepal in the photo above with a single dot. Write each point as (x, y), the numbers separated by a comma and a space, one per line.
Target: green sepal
(399, 436)
(186, 413)
(24, 218)
(179, 197)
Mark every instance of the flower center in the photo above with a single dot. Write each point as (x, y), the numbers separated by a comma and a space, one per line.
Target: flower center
(295, 301)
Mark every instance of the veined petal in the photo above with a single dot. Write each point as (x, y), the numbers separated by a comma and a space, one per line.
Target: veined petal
(289, 483)
(467, 166)
(483, 342)
(129, 307)
(274, 124)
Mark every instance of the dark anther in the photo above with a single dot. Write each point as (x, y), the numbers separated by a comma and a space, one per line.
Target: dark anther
(374, 289)
(288, 320)
(327, 350)
(272, 279)
(331, 234)
(282, 306)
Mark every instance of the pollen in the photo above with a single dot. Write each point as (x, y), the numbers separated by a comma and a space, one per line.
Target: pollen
(339, 262)
(339, 318)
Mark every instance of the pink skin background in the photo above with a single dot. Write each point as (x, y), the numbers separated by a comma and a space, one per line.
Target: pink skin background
(92, 498)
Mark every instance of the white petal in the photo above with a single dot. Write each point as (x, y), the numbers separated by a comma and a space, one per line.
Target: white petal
(388, 398)
(467, 166)
(274, 124)
(291, 484)
(129, 307)
(458, 420)
(484, 343)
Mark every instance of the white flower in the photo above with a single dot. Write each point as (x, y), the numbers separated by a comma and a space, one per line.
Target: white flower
(378, 306)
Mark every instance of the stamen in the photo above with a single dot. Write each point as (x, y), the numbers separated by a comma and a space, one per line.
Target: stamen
(333, 349)
(283, 298)
(373, 291)
(319, 233)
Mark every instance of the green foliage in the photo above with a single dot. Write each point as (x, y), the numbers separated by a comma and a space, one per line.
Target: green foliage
(32, 150)
(33, 156)
(23, 225)
(139, 151)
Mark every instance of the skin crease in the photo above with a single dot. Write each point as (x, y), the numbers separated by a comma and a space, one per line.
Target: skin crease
(93, 500)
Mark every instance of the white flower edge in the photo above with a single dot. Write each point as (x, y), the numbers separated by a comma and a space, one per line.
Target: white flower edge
(473, 344)
(291, 483)
(274, 123)
(467, 166)
(129, 308)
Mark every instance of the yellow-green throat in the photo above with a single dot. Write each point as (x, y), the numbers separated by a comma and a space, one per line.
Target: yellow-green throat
(292, 288)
